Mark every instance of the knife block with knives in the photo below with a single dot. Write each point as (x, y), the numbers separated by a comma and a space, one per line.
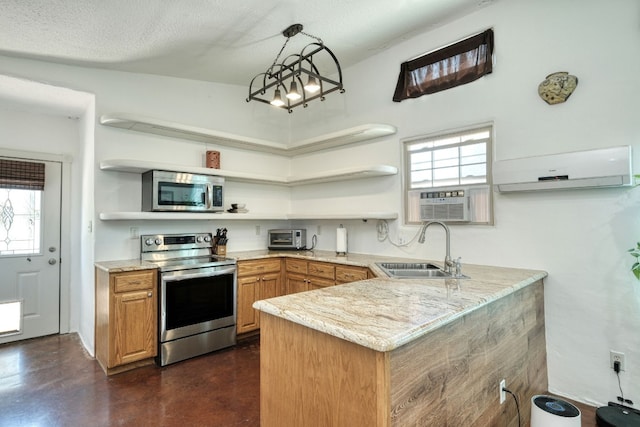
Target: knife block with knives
(220, 242)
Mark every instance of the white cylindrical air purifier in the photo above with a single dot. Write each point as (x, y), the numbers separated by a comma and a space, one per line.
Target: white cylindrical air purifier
(547, 411)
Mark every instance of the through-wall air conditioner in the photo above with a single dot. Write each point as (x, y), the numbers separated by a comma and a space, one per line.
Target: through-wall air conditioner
(604, 167)
(448, 205)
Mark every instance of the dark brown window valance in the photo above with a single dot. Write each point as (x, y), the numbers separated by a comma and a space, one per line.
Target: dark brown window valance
(454, 65)
(21, 175)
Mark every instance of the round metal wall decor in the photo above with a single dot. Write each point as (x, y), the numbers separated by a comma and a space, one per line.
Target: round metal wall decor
(557, 87)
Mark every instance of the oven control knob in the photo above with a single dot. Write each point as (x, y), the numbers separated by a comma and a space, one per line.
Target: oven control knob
(148, 242)
(199, 239)
(207, 238)
(158, 241)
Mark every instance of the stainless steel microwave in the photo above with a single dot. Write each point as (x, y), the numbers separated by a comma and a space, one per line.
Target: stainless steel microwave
(177, 191)
(289, 239)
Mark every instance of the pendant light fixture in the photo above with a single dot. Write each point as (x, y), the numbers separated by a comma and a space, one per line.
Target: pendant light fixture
(284, 76)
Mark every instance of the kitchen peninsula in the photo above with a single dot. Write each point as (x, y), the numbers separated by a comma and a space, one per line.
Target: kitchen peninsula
(391, 352)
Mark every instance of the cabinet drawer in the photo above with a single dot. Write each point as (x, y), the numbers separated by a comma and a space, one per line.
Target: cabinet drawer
(250, 268)
(133, 281)
(321, 269)
(350, 274)
(297, 266)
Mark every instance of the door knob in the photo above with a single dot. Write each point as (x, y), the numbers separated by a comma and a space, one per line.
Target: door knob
(52, 248)
(52, 261)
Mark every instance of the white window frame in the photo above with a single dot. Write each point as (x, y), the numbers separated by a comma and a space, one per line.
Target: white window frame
(483, 192)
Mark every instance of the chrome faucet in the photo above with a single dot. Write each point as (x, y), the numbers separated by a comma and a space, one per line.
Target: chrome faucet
(448, 263)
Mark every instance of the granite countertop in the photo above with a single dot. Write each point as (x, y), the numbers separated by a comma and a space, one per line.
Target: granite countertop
(360, 260)
(384, 314)
(124, 265)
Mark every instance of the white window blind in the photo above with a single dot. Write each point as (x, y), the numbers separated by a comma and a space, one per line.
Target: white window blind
(449, 160)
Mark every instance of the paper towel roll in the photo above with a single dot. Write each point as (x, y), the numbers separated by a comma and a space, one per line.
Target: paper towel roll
(341, 240)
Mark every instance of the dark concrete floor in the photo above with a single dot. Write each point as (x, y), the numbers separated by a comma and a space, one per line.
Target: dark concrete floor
(52, 381)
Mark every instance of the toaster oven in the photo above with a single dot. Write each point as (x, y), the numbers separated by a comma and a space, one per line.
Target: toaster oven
(287, 239)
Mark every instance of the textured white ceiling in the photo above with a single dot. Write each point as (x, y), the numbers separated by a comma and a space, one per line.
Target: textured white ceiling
(226, 41)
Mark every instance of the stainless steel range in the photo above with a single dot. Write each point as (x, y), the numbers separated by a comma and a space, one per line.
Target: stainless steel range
(197, 300)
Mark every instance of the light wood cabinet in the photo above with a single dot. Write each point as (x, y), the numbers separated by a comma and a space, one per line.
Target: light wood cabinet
(272, 277)
(257, 279)
(126, 319)
(320, 275)
(302, 275)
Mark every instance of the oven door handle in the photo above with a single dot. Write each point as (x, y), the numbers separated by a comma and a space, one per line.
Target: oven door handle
(173, 277)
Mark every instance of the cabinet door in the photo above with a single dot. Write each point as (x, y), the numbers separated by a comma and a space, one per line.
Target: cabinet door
(134, 327)
(296, 283)
(248, 293)
(270, 285)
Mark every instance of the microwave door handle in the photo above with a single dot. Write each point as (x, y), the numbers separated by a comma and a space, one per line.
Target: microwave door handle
(207, 197)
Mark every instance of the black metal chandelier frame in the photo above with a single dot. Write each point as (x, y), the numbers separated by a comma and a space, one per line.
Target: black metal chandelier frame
(292, 69)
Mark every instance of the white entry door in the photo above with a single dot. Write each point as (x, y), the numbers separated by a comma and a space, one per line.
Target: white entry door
(29, 253)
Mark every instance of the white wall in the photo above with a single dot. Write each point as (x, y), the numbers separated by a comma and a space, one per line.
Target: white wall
(579, 237)
(33, 134)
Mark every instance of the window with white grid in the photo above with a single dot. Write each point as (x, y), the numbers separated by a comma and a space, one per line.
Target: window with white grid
(450, 163)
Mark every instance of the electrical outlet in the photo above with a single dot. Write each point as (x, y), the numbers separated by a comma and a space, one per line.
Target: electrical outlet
(616, 356)
(257, 230)
(503, 394)
(135, 233)
(319, 231)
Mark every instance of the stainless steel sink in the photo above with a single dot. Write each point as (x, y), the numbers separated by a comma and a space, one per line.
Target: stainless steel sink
(415, 270)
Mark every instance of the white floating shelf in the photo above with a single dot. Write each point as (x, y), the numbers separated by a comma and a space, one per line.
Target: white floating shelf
(192, 216)
(362, 215)
(141, 166)
(187, 216)
(192, 133)
(345, 174)
(136, 166)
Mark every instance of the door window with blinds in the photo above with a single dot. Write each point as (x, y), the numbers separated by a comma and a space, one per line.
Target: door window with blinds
(21, 186)
(447, 177)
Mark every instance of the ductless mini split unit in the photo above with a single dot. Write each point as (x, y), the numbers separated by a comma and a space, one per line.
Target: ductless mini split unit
(604, 167)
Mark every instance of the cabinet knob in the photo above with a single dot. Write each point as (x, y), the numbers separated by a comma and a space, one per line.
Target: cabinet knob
(150, 294)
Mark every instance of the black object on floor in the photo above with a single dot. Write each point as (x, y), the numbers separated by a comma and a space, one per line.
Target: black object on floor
(616, 415)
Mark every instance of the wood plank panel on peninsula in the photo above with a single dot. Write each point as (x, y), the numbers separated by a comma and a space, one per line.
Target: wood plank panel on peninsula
(385, 352)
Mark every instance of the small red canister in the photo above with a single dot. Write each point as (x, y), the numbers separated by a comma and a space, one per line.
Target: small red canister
(213, 159)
